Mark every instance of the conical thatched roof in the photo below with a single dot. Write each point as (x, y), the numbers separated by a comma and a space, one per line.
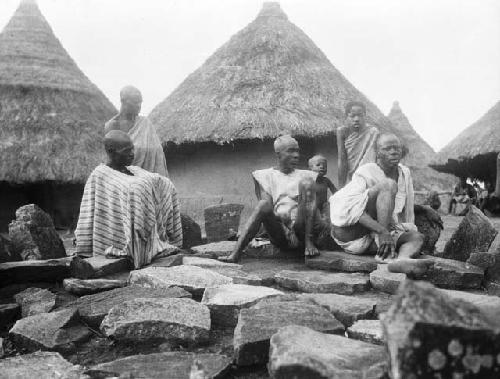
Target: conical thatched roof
(268, 79)
(51, 115)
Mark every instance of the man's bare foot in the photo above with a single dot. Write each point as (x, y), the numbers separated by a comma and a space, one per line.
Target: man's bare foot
(311, 251)
(231, 258)
(413, 267)
(381, 260)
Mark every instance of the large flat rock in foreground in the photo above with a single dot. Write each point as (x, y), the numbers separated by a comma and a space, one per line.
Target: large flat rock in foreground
(341, 261)
(300, 352)
(449, 273)
(98, 266)
(323, 282)
(226, 301)
(192, 278)
(178, 321)
(93, 308)
(207, 262)
(39, 365)
(51, 270)
(173, 365)
(257, 324)
(383, 280)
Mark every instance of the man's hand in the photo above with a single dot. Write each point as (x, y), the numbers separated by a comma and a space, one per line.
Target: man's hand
(387, 248)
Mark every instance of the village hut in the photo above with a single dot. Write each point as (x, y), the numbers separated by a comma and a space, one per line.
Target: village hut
(473, 153)
(51, 120)
(268, 79)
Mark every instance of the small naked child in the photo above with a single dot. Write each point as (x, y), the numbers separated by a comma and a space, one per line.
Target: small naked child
(319, 165)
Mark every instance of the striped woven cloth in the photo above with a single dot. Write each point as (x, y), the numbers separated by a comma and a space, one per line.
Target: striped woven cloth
(136, 216)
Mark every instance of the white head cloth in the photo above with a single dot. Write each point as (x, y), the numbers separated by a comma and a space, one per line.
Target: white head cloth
(283, 142)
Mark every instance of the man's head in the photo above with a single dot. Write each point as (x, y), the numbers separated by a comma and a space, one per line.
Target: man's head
(131, 100)
(287, 149)
(355, 113)
(389, 150)
(318, 164)
(119, 148)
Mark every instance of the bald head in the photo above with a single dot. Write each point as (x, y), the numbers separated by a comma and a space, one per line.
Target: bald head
(131, 100)
(130, 92)
(119, 147)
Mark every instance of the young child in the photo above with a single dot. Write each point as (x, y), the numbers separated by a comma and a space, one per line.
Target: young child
(318, 164)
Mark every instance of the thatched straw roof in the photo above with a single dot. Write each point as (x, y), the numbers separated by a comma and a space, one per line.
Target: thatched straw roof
(51, 115)
(268, 79)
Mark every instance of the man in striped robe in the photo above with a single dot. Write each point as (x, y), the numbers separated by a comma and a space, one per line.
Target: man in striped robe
(126, 210)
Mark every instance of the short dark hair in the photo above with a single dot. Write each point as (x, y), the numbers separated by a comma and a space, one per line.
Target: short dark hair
(354, 103)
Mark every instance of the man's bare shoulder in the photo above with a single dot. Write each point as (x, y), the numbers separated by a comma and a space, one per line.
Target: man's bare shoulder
(113, 124)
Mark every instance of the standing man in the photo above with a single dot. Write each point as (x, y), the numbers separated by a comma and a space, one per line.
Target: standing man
(148, 151)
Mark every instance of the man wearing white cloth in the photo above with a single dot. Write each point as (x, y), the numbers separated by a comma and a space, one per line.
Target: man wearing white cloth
(375, 211)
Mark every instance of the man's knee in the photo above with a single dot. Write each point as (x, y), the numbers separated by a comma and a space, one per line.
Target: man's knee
(264, 207)
(416, 238)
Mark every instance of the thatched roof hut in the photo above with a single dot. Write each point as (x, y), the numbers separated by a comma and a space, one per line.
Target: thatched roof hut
(473, 152)
(51, 115)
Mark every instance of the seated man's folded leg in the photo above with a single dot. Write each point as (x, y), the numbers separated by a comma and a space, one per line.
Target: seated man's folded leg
(408, 245)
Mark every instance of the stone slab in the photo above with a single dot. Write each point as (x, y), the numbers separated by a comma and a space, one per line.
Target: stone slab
(341, 261)
(174, 365)
(257, 324)
(214, 249)
(176, 320)
(300, 352)
(172, 260)
(93, 308)
(383, 280)
(191, 232)
(323, 282)
(34, 271)
(192, 278)
(8, 314)
(39, 365)
(483, 260)
(366, 330)
(448, 273)
(207, 262)
(346, 309)
(35, 300)
(89, 286)
(97, 267)
(57, 331)
(226, 301)
(238, 276)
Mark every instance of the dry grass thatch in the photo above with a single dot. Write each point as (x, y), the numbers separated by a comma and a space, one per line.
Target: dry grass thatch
(51, 115)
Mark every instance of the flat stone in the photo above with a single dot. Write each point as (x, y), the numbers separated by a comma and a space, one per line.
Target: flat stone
(449, 273)
(39, 365)
(341, 261)
(191, 232)
(474, 234)
(93, 308)
(51, 270)
(323, 282)
(346, 309)
(8, 314)
(172, 260)
(383, 280)
(35, 300)
(192, 278)
(383, 300)
(33, 235)
(214, 249)
(238, 276)
(226, 301)
(175, 365)
(97, 267)
(257, 324)
(366, 330)
(207, 262)
(57, 331)
(180, 321)
(429, 333)
(483, 260)
(90, 286)
(300, 352)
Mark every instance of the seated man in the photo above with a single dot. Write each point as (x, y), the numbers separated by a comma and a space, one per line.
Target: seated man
(126, 210)
(375, 211)
(287, 205)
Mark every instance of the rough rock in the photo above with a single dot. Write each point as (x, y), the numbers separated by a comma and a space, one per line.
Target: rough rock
(300, 352)
(323, 282)
(429, 333)
(180, 321)
(366, 330)
(383, 280)
(192, 278)
(430, 230)
(93, 308)
(483, 260)
(8, 314)
(6, 252)
(346, 309)
(222, 221)
(449, 273)
(97, 267)
(39, 365)
(191, 232)
(226, 301)
(175, 365)
(33, 235)
(34, 271)
(57, 331)
(214, 249)
(340, 261)
(492, 274)
(171, 260)
(474, 234)
(238, 276)
(208, 262)
(257, 324)
(90, 286)
(35, 300)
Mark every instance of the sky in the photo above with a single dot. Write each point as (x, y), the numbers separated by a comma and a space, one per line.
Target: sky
(439, 59)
